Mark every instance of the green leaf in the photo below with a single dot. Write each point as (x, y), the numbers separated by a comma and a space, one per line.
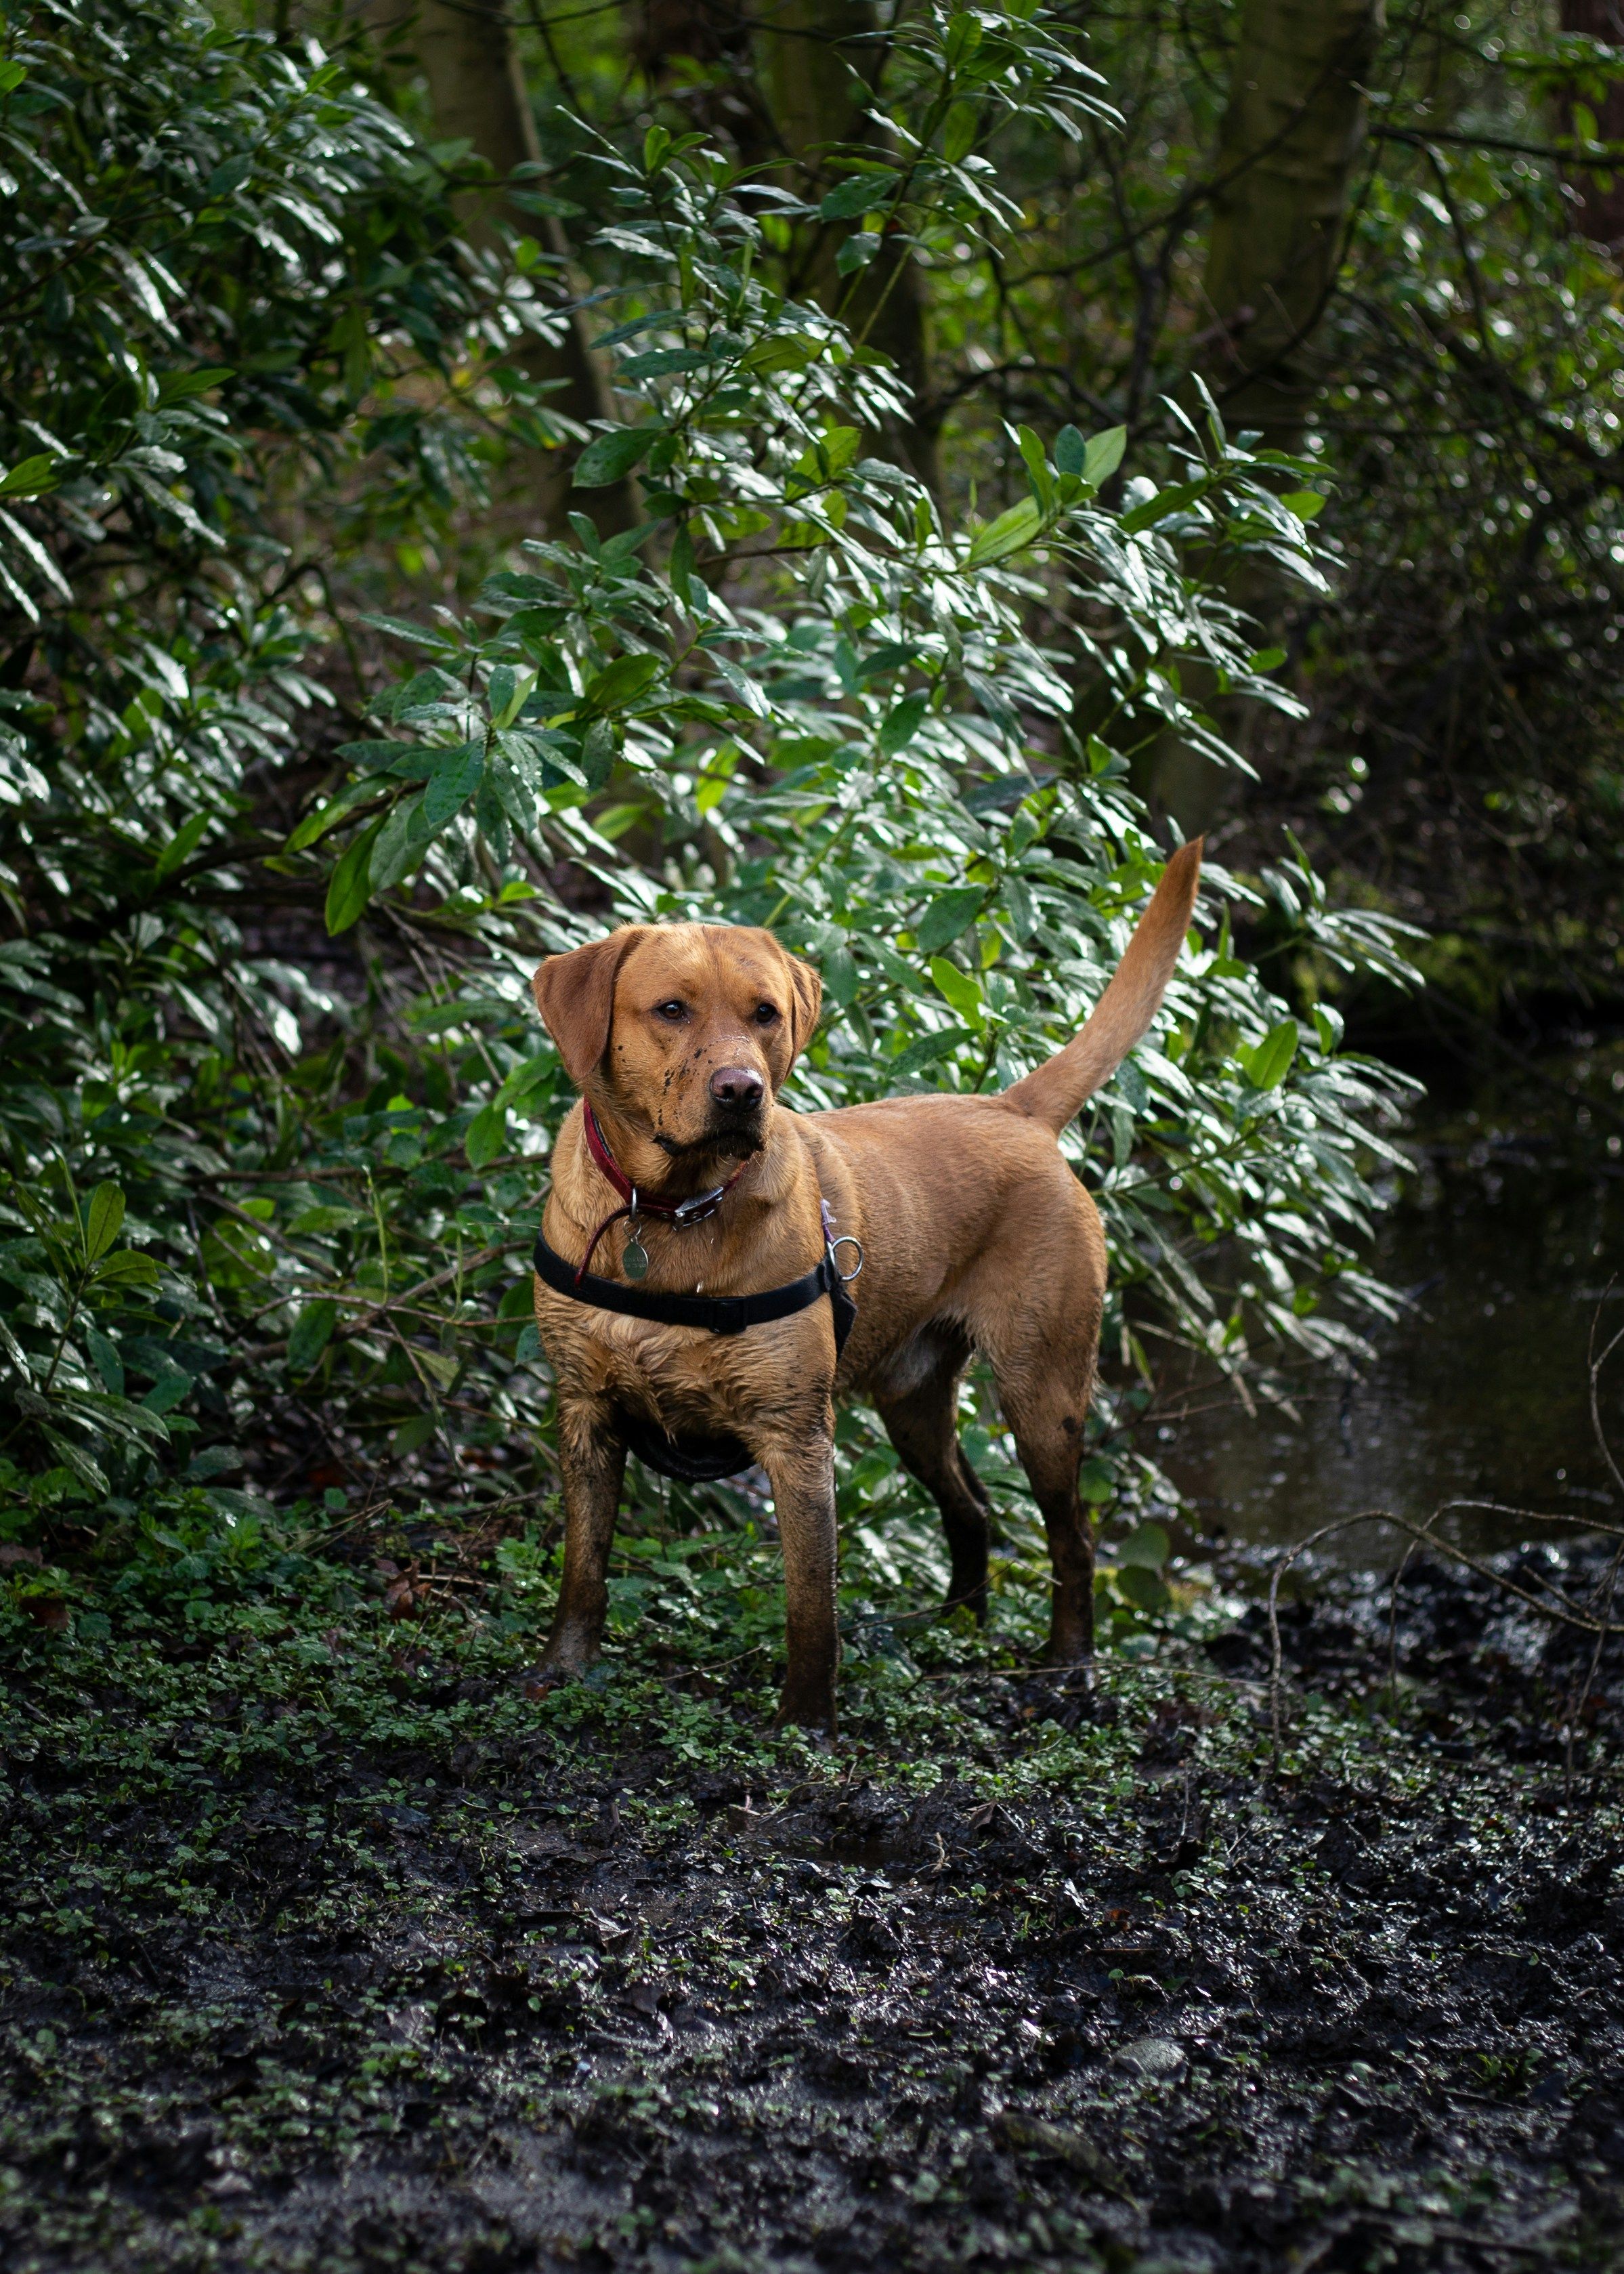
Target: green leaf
(400, 843)
(1008, 534)
(183, 841)
(128, 1269)
(179, 386)
(930, 1049)
(31, 476)
(611, 457)
(1148, 1546)
(509, 691)
(313, 1330)
(1096, 1482)
(11, 74)
(168, 1392)
(73, 1456)
(627, 677)
(103, 1220)
(316, 824)
(680, 569)
(1037, 467)
(898, 728)
(1304, 503)
(858, 251)
(947, 915)
(858, 194)
(487, 1136)
(964, 37)
(1162, 507)
(349, 888)
(959, 988)
(414, 635)
(1267, 1064)
(1070, 451)
(958, 135)
(104, 1356)
(1142, 1588)
(1103, 454)
(599, 747)
(451, 785)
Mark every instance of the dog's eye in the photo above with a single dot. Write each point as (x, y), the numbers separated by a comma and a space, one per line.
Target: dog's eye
(766, 1014)
(673, 1010)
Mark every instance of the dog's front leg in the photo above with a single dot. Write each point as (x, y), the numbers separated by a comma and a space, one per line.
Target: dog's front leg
(592, 1456)
(803, 1493)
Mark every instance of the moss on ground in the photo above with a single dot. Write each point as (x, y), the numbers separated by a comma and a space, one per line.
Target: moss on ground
(327, 1947)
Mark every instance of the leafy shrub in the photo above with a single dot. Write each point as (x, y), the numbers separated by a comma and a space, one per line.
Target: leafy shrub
(795, 696)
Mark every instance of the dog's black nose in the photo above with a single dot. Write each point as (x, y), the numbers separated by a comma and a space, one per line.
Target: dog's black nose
(737, 1087)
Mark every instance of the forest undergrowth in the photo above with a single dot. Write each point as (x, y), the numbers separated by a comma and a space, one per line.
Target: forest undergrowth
(328, 1945)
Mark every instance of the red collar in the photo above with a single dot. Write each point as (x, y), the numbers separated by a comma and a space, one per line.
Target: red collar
(680, 1213)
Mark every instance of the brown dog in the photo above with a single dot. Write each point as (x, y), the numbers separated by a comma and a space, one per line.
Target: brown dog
(975, 1237)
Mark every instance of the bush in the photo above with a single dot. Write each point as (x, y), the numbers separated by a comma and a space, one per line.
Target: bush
(794, 696)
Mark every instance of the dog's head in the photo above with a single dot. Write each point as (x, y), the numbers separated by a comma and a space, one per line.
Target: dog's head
(689, 1028)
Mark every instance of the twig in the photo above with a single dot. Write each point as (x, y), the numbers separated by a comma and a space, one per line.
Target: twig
(1423, 1535)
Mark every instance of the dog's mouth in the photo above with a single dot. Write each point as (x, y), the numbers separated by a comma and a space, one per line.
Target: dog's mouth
(733, 1141)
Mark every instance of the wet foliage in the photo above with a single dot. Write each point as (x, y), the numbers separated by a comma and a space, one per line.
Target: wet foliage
(327, 1946)
(277, 1105)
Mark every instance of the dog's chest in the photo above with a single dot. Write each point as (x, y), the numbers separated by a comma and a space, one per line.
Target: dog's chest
(686, 1380)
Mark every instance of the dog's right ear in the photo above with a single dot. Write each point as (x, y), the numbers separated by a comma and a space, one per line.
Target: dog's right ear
(575, 994)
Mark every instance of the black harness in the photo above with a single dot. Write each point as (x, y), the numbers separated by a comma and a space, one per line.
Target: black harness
(696, 1460)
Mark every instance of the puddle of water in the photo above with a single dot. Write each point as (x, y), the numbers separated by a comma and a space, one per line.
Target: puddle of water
(1480, 1391)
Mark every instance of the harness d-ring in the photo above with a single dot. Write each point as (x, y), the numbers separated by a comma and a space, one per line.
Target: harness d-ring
(846, 1240)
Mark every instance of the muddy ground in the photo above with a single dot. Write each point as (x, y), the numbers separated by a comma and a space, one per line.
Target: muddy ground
(327, 1946)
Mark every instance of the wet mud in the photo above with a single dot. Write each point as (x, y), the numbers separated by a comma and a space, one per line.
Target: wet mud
(1036, 1978)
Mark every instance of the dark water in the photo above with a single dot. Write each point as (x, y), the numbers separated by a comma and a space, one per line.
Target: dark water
(1507, 1245)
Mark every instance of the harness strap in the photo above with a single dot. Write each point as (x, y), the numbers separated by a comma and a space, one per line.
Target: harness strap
(721, 1314)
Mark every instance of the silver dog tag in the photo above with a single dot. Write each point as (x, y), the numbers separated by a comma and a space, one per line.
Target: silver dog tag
(634, 1257)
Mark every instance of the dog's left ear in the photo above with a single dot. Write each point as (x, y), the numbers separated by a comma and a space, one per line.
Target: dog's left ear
(806, 990)
(575, 994)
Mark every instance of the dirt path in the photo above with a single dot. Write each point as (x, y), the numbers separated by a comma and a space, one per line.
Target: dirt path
(329, 1949)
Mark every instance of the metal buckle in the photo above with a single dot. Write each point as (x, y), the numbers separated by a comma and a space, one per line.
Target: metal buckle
(835, 1246)
(696, 1210)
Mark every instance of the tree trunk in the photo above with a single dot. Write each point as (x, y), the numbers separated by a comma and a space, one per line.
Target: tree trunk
(720, 98)
(1286, 154)
(818, 61)
(477, 94)
(1600, 209)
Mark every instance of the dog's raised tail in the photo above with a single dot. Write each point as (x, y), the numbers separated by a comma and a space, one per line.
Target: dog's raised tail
(1054, 1092)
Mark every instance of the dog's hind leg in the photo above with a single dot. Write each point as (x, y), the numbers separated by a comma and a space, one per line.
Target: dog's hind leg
(1041, 1334)
(1049, 1437)
(923, 1424)
(592, 1456)
(1045, 1400)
